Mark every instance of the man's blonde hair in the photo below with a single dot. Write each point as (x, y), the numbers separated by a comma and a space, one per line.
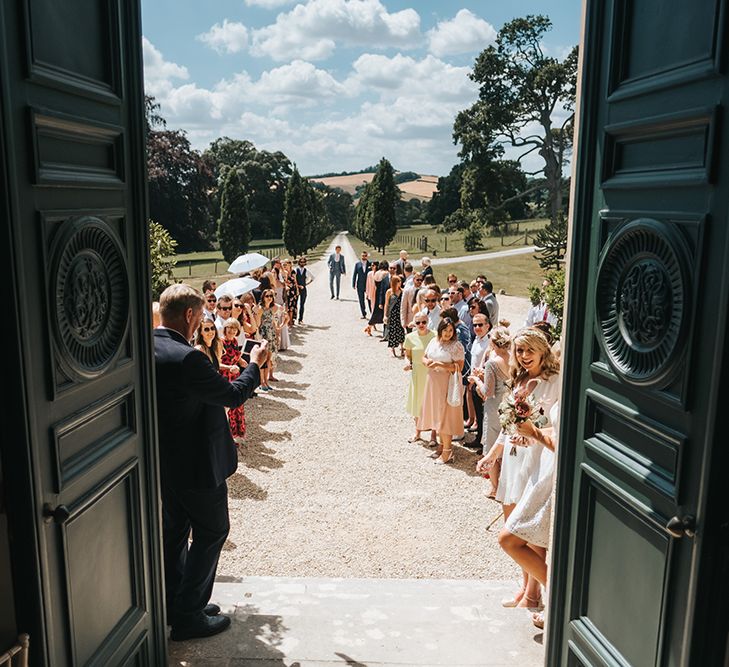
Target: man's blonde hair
(176, 299)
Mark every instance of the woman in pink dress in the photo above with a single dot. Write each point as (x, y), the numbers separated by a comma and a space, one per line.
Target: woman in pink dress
(443, 357)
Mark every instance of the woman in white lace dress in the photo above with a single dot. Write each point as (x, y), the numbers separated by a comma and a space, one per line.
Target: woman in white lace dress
(534, 370)
(530, 524)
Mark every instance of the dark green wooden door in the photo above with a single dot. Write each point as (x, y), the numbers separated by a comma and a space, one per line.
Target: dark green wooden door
(636, 541)
(73, 154)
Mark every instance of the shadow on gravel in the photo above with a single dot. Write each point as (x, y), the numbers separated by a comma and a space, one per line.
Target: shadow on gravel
(290, 353)
(288, 393)
(242, 488)
(271, 410)
(252, 637)
(464, 459)
(256, 455)
(290, 384)
(350, 662)
(257, 435)
(288, 366)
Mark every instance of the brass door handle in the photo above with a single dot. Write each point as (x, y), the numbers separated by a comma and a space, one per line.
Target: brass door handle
(58, 514)
(679, 527)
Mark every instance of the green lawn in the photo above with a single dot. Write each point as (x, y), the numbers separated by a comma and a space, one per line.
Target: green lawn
(513, 274)
(451, 245)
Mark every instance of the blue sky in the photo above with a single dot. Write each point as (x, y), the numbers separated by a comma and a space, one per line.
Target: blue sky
(334, 84)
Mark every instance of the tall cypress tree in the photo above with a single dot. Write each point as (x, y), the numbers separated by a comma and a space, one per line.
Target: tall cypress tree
(297, 216)
(383, 197)
(234, 229)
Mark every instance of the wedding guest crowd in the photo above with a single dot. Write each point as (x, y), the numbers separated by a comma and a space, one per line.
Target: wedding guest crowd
(472, 380)
(232, 323)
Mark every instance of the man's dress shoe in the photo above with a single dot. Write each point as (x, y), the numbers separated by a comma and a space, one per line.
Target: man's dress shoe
(210, 609)
(198, 625)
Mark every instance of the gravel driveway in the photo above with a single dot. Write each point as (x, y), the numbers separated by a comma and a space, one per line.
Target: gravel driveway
(328, 486)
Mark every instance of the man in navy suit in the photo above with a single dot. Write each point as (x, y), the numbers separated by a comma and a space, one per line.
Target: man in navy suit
(197, 455)
(336, 269)
(302, 280)
(359, 281)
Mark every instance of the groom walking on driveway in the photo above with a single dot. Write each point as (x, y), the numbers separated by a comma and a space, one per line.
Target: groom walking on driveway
(336, 269)
(359, 280)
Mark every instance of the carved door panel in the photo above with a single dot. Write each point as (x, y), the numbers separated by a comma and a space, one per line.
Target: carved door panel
(646, 332)
(74, 128)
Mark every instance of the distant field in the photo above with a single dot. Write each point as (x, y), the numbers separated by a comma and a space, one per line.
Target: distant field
(422, 188)
(346, 183)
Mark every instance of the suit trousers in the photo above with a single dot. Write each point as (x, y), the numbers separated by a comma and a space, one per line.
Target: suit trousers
(190, 570)
(334, 276)
(361, 295)
(478, 408)
(302, 301)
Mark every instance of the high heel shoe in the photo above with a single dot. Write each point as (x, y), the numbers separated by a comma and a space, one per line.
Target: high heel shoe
(368, 331)
(510, 603)
(533, 604)
(450, 459)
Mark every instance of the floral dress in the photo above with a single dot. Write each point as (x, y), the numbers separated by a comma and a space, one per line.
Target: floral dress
(292, 295)
(395, 332)
(236, 416)
(267, 330)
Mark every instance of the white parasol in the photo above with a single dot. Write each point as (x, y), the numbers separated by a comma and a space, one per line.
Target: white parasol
(236, 287)
(248, 262)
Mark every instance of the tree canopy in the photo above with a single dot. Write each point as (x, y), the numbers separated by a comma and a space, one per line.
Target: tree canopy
(526, 101)
(179, 184)
(376, 219)
(234, 229)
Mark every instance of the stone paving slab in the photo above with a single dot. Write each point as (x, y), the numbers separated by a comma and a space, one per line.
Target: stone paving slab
(317, 622)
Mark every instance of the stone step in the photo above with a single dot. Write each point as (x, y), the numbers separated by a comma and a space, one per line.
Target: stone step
(308, 622)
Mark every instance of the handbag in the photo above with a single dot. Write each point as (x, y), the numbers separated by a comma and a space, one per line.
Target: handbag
(455, 387)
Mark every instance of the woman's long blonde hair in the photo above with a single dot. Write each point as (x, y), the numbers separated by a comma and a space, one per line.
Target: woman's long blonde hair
(536, 341)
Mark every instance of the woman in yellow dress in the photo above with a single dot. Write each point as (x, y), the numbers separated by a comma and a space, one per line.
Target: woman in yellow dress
(414, 346)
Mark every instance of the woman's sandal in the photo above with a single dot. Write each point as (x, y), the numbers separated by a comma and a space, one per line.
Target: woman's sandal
(415, 439)
(533, 604)
(538, 619)
(511, 603)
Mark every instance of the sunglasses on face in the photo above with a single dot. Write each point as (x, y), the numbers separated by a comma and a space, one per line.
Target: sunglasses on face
(225, 307)
(421, 323)
(237, 305)
(430, 300)
(453, 281)
(212, 299)
(476, 324)
(206, 329)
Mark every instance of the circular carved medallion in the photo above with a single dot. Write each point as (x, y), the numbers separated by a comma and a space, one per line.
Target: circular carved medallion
(91, 306)
(642, 301)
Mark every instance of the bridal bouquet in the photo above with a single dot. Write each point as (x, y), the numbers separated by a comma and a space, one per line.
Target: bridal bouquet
(518, 407)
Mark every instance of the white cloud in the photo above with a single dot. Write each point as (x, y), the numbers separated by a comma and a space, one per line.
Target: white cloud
(428, 78)
(312, 31)
(465, 33)
(268, 4)
(159, 73)
(230, 37)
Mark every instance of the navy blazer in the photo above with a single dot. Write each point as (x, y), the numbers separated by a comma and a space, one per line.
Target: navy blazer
(195, 445)
(336, 266)
(359, 275)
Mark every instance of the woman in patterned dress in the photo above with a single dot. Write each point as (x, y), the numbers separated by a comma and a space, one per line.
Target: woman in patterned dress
(267, 324)
(230, 365)
(395, 332)
(291, 292)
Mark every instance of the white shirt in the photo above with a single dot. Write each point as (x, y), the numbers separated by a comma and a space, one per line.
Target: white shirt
(479, 347)
(433, 317)
(536, 314)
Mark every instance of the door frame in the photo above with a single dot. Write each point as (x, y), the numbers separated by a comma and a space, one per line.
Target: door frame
(21, 493)
(707, 623)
